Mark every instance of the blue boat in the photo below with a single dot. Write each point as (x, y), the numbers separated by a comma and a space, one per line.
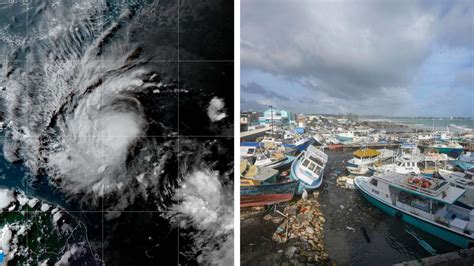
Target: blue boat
(308, 168)
(427, 204)
(453, 149)
(299, 143)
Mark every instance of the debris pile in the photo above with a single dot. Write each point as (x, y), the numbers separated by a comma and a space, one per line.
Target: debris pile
(303, 229)
(345, 182)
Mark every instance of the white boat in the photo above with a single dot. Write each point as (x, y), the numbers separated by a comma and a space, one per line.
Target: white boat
(260, 174)
(298, 143)
(345, 136)
(363, 159)
(427, 204)
(463, 180)
(406, 161)
(273, 159)
(425, 136)
(308, 168)
(247, 151)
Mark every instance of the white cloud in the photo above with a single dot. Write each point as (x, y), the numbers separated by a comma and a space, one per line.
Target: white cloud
(204, 204)
(215, 109)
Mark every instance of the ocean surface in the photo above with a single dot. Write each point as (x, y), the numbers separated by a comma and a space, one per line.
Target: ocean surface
(438, 124)
(17, 176)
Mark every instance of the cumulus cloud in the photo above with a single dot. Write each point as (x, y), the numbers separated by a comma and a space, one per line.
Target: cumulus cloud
(204, 204)
(215, 109)
(350, 50)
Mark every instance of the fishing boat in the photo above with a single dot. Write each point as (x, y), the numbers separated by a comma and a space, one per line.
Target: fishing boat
(273, 160)
(406, 161)
(347, 136)
(427, 204)
(464, 161)
(464, 180)
(298, 143)
(363, 158)
(256, 173)
(247, 151)
(449, 148)
(252, 194)
(308, 168)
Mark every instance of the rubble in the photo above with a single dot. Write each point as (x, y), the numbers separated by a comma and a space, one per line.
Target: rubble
(304, 229)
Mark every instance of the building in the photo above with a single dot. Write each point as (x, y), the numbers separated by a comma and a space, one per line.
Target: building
(248, 120)
(279, 116)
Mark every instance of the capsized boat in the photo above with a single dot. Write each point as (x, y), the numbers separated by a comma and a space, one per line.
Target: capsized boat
(298, 143)
(254, 194)
(308, 168)
(427, 204)
(260, 174)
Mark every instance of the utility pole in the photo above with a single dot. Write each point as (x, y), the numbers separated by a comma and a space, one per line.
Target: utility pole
(271, 110)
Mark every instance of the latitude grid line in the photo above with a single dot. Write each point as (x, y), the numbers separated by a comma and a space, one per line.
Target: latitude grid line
(103, 151)
(178, 139)
(27, 65)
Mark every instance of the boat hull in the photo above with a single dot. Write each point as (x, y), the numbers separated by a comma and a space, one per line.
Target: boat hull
(275, 188)
(344, 138)
(264, 200)
(447, 235)
(289, 160)
(300, 147)
(448, 150)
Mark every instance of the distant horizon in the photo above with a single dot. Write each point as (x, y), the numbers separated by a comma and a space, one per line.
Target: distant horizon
(364, 115)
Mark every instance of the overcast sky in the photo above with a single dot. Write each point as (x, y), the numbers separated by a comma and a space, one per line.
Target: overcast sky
(402, 58)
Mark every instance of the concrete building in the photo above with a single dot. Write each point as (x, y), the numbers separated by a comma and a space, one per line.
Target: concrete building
(280, 117)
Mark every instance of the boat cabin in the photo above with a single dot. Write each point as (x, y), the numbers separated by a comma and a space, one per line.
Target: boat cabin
(314, 161)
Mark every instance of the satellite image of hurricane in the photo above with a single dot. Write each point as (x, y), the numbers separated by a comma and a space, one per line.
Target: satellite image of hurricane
(116, 130)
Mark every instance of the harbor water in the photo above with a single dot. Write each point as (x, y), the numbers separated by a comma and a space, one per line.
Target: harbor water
(355, 232)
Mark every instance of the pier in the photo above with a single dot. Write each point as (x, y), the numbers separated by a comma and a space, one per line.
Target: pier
(253, 134)
(460, 257)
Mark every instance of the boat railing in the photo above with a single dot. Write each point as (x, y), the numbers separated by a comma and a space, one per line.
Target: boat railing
(440, 188)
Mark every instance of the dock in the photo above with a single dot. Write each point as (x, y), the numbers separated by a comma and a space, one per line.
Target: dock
(460, 257)
(253, 134)
(370, 145)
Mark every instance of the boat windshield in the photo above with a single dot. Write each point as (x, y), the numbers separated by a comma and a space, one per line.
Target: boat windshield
(247, 168)
(312, 166)
(316, 160)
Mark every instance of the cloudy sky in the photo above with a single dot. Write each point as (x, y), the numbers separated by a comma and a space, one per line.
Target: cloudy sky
(402, 58)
